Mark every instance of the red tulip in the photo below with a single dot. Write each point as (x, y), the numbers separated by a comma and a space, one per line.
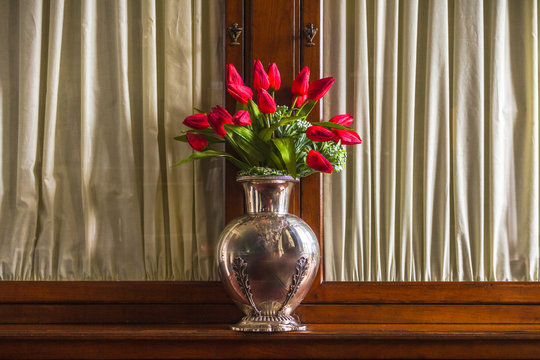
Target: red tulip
(319, 88)
(219, 117)
(345, 119)
(260, 78)
(197, 121)
(319, 133)
(216, 124)
(223, 113)
(197, 142)
(301, 83)
(348, 137)
(266, 103)
(299, 100)
(233, 77)
(318, 162)
(241, 118)
(240, 93)
(273, 76)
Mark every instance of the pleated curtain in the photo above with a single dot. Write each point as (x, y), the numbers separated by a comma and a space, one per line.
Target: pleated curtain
(92, 94)
(445, 185)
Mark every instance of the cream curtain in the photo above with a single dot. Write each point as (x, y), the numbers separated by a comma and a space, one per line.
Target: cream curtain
(445, 186)
(91, 95)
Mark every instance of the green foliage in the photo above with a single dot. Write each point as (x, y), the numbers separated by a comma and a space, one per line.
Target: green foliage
(262, 171)
(212, 139)
(211, 153)
(287, 151)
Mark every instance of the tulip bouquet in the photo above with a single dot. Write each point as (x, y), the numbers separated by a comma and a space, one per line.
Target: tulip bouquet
(271, 139)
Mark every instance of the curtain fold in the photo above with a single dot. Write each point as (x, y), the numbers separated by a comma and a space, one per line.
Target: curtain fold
(445, 95)
(92, 94)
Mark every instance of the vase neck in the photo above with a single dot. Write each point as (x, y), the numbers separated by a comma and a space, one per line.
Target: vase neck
(267, 194)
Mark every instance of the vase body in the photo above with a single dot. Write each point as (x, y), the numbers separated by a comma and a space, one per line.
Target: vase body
(268, 258)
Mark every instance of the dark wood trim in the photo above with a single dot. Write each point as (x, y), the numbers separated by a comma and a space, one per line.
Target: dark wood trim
(229, 314)
(112, 292)
(427, 293)
(158, 292)
(319, 342)
(234, 13)
(312, 186)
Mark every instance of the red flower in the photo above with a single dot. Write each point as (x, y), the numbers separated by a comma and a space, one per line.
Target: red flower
(318, 162)
(197, 142)
(320, 133)
(266, 103)
(223, 113)
(260, 78)
(233, 77)
(299, 100)
(319, 88)
(348, 137)
(301, 83)
(241, 118)
(273, 76)
(345, 119)
(240, 93)
(197, 121)
(219, 117)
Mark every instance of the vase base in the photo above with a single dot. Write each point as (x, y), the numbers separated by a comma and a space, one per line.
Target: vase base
(268, 324)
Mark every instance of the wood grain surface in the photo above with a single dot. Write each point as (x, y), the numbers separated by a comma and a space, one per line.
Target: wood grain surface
(319, 342)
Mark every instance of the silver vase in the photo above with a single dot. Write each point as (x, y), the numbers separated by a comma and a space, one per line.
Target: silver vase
(268, 258)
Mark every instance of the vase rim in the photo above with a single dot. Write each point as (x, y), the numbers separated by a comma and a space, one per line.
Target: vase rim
(267, 178)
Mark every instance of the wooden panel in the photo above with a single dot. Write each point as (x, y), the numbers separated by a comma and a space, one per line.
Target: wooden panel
(120, 314)
(272, 39)
(111, 292)
(315, 332)
(320, 342)
(427, 292)
(274, 349)
(229, 314)
(420, 314)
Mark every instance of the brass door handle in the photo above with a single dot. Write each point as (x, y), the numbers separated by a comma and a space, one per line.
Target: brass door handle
(234, 32)
(309, 33)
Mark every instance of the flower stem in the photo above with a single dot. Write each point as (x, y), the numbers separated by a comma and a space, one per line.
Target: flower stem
(292, 107)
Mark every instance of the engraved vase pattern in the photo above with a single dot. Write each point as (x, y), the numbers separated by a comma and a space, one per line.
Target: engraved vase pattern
(268, 258)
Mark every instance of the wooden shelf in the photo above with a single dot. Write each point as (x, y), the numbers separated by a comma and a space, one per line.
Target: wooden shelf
(48, 341)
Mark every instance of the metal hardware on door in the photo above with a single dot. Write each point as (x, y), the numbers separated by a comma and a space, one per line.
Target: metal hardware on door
(234, 32)
(309, 33)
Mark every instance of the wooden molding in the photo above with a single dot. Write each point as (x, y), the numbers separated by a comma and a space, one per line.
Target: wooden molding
(319, 342)
(170, 292)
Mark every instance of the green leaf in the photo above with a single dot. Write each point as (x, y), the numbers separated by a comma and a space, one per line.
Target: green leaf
(182, 138)
(257, 120)
(211, 139)
(287, 152)
(207, 131)
(253, 147)
(198, 110)
(266, 134)
(240, 106)
(253, 108)
(276, 161)
(332, 125)
(306, 108)
(211, 153)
